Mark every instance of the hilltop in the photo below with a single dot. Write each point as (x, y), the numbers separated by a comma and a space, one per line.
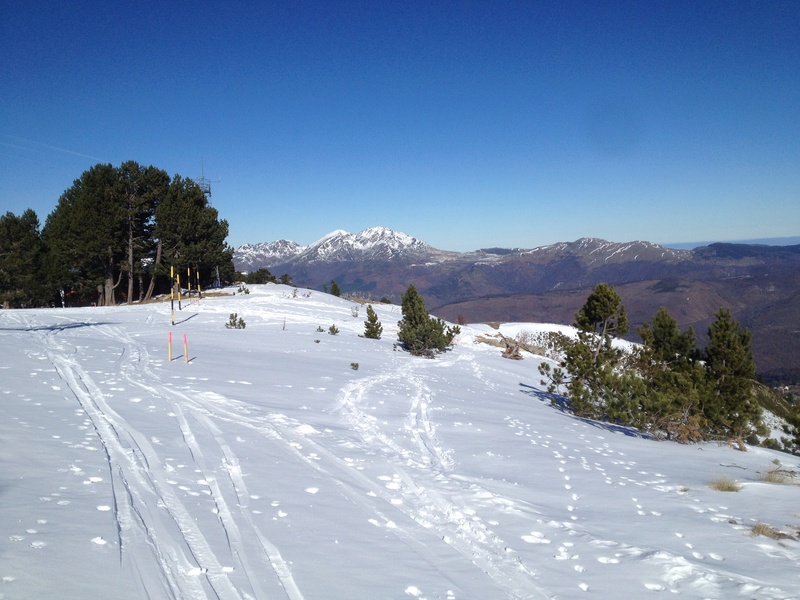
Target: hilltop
(280, 461)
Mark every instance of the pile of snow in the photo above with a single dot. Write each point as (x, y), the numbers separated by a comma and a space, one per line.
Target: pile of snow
(279, 461)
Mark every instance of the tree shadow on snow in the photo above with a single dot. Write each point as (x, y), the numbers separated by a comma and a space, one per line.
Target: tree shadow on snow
(562, 404)
(58, 327)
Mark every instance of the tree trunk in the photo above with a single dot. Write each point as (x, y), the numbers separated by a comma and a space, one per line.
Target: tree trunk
(130, 265)
(152, 272)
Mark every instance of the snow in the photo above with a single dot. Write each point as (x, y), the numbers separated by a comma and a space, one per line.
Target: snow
(265, 466)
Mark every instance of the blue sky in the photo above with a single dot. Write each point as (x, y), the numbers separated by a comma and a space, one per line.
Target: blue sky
(465, 124)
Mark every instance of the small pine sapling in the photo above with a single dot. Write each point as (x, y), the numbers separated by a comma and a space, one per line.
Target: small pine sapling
(235, 322)
(372, 327)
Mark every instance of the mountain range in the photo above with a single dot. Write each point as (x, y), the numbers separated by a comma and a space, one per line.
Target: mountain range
(759, 283)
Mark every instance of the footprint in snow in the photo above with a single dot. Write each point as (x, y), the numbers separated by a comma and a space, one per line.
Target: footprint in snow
(535, 537)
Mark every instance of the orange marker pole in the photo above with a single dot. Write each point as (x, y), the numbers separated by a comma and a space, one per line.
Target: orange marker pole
(169, 352)
(185, 350)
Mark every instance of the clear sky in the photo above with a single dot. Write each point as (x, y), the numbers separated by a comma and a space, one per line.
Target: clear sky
(465, 124)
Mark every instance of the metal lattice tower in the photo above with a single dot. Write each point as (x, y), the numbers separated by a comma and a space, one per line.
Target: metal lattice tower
(203, 183)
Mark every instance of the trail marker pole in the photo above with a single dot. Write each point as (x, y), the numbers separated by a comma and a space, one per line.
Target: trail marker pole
(169, 352)
(172, 295)
(178, 279)
(185, 350)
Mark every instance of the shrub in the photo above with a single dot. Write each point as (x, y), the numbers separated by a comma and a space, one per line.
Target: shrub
(778, 476)
(767, 531)
(333, 330)
(354, 366)
(235, 322)
(725, 484)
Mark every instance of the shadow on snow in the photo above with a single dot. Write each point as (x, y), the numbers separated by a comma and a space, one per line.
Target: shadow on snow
(562, 404)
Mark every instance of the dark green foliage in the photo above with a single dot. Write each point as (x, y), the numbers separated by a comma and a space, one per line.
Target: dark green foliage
(133, 221)
(260, 276)
(235, 322)
(590, 368)
(21, 254)
(333, 330)
(662, 387)
(372, 327)
(85, 237)
(603, 315)
(285, 279)
(335, 291)
(420, 333)
(190, 233)
(732, 408)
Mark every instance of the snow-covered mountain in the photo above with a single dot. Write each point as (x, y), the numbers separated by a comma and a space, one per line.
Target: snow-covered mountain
(375, 243)
(599, 251)
(251, 257)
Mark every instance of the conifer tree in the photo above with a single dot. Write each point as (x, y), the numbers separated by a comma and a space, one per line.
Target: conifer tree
(335, 291)
(420, 333)
(731, 408)
(596, 387)
(372, 327)
(21, 253)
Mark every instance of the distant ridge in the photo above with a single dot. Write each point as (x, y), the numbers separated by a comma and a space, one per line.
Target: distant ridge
(758, 281)
(777, 241)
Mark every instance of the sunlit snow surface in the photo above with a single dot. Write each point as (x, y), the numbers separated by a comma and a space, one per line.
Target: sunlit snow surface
(269, 467)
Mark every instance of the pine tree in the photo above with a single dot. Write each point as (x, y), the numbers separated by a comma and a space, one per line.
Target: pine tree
(420, 333)
(335, 291)
(21, 254)
(372, 327)
(675, 382)
(595, 388)
(731, 408)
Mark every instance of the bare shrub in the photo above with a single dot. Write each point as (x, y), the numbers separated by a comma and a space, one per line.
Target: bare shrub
(725, 484)
(770, 532)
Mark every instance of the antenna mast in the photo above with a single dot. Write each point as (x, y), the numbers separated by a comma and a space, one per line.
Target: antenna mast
(203, 183)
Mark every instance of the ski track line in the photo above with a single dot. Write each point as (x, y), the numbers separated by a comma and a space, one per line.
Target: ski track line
(223, 510)
(471, 539)
(139, 356)
(284, 431)
(130, 455)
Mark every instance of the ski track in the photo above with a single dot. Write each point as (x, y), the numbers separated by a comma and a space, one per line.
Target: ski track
(188, 566)
(437, 499)
(155, 528)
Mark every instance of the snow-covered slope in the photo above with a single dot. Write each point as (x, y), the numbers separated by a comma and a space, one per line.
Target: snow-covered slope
(280, 461)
